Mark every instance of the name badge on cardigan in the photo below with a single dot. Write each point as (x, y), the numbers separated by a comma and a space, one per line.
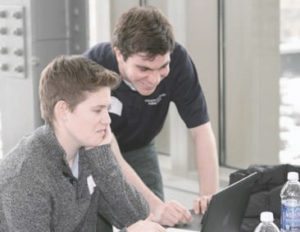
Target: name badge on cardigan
(91, 184)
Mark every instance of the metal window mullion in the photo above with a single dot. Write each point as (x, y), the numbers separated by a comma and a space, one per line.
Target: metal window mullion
(221, 82)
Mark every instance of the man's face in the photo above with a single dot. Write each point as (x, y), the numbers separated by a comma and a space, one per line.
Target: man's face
(142, 72)
(87, 125)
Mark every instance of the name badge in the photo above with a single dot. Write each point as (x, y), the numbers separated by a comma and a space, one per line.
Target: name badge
(116, 106)
(91, 184)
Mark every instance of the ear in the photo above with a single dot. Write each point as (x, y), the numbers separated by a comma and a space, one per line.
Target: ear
(119, 55)
(61, 110)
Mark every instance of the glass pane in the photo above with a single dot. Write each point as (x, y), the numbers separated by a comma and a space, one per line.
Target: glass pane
(290, 81)
(252, 70)
(262, 91)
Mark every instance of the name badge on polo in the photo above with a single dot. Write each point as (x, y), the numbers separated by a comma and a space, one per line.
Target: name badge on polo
(116, 106)
(91, 184)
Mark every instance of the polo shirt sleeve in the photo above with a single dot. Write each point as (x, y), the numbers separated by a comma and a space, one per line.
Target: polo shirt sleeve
(187, 93)
(94, 53)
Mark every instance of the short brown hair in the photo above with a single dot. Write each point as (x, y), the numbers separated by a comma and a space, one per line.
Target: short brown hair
(143, 29)
(68, 78)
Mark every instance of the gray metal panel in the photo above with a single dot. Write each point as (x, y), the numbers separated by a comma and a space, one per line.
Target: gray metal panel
(79, 27)
(49, 19)
(12, 37)
(49, 32)
(16, 91)
(16, 100)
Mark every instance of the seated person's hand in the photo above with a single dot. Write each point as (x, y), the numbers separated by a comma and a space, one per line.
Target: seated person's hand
(145, 226)
(105, 140)
(201, 204)
(171, 213)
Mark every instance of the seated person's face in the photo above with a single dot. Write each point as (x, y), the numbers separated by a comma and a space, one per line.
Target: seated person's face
(88, 123)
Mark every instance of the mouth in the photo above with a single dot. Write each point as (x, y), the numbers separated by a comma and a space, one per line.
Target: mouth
(100, 131)
(148, 87)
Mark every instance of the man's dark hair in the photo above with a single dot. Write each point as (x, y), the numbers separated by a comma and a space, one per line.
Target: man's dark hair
(143, 29)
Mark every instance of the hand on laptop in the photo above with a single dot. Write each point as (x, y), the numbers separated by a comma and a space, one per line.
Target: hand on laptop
(171, 213)
(145, 226)
(201, 204)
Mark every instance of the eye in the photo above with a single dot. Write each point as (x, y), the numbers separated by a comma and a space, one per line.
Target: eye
(164, 67)
(98, 111)
(143, 69)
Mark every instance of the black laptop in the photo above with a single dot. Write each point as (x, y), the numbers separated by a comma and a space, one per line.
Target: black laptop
(225, 211)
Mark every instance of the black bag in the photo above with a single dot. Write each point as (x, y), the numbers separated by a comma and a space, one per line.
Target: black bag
(265, 195)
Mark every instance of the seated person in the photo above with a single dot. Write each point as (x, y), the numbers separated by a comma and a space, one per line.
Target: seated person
(60, 177)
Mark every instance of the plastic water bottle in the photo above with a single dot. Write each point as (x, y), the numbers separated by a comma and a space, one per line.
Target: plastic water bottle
(266, 223)
(290, 204)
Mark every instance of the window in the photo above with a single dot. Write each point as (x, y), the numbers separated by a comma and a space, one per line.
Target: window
(261, 74)
(251, 73)
(290, 81)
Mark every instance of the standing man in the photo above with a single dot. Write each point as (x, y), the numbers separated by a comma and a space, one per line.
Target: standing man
(155, 71)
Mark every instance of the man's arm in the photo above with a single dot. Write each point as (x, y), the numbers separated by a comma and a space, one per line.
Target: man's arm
(169, 213)
(207, 164)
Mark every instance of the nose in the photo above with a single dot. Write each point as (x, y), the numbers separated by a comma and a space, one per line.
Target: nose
(155, 77)
(105, 118)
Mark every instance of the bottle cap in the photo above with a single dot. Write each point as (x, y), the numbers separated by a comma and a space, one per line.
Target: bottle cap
(266, 216)
(293, 176)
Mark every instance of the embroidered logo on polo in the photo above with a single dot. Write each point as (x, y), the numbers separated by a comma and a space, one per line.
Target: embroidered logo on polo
(155, 101)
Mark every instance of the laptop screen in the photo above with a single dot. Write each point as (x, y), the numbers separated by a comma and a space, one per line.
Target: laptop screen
(226, 209)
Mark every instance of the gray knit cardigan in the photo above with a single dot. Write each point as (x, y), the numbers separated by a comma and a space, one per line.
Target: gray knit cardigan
(38, 192)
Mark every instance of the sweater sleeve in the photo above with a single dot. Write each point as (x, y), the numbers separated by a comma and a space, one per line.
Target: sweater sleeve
(26, 207)
(119, 202)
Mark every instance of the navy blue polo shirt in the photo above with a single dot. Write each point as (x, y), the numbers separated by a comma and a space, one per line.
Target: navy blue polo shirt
(137, 119)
